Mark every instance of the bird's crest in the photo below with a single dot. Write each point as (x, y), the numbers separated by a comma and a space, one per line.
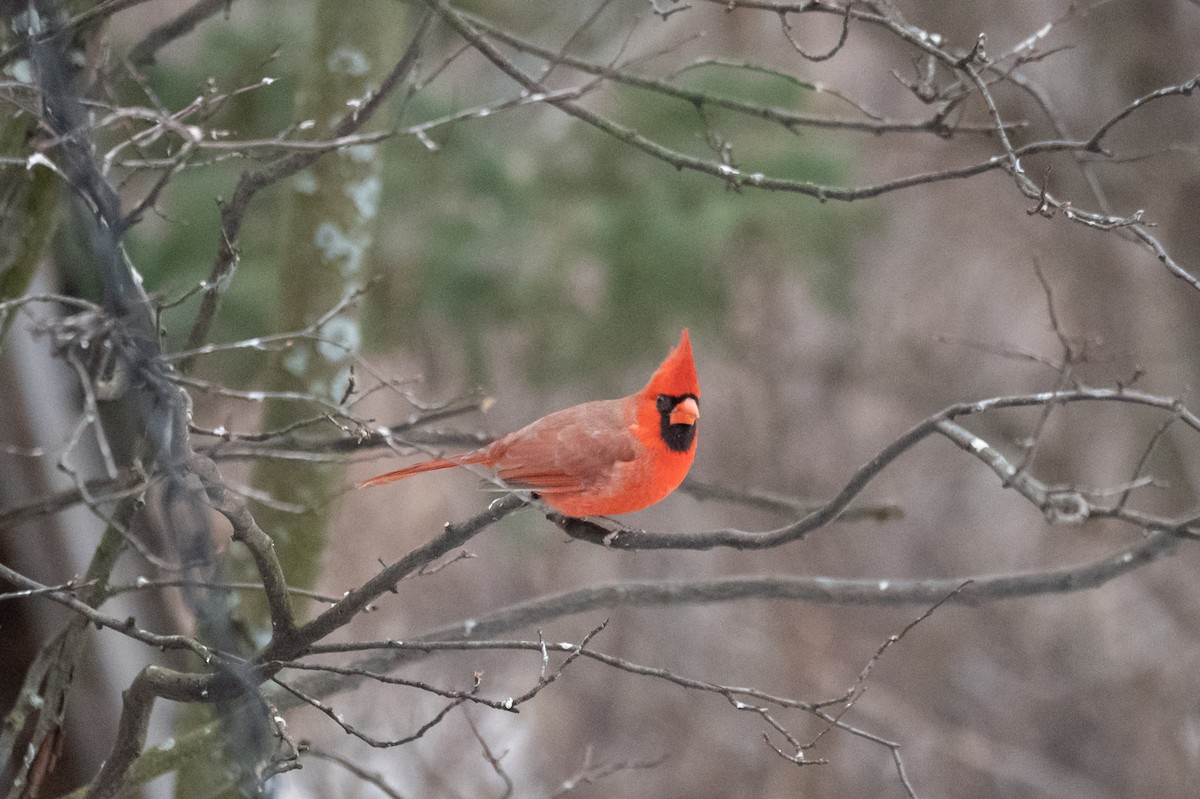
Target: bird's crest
(676, 376)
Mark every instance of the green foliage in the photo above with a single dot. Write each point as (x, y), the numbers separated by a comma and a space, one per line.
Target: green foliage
(595, 253)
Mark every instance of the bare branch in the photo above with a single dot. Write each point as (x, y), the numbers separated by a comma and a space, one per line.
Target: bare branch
(492, 759)
(247, 531)
(126, 627)
(787, 118)
(780, 503)
(370, 740)
(372, 777)
(590, 773)
(137, 704)
(837, 47)
(142, 53)
(470, 695)
(1184, 89)
(285, 647)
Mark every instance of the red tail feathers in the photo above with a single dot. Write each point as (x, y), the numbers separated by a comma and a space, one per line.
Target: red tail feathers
(427, 466)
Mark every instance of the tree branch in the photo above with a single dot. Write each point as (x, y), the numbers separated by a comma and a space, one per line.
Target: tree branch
(937, 423)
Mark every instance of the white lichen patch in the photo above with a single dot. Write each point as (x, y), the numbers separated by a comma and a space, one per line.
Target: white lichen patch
(305, 182)
(361, 153)
(340, 337)
(365, 196)
(21, 70)
(337, 247)
(295, 362)
(348, 61)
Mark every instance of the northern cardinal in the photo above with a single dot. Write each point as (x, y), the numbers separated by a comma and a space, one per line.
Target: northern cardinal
(598, 458)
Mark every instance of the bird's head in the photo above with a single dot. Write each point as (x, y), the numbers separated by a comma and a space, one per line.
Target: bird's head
(674, 390)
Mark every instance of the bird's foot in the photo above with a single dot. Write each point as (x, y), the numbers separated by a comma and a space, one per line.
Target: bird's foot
(590, 529)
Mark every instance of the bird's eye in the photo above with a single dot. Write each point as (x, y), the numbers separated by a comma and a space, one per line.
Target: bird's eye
(663, 403)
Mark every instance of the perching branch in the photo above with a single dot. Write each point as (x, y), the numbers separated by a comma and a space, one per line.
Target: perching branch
(1058, 505)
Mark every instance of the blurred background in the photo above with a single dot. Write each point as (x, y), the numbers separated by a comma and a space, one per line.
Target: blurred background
(524, 256)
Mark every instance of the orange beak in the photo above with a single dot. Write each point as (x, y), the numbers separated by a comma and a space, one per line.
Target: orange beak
(686, 412)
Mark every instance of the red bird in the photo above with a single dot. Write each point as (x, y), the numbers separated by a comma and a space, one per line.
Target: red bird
(598, 458)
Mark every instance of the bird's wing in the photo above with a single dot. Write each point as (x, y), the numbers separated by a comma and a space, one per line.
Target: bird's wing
(568, 451)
